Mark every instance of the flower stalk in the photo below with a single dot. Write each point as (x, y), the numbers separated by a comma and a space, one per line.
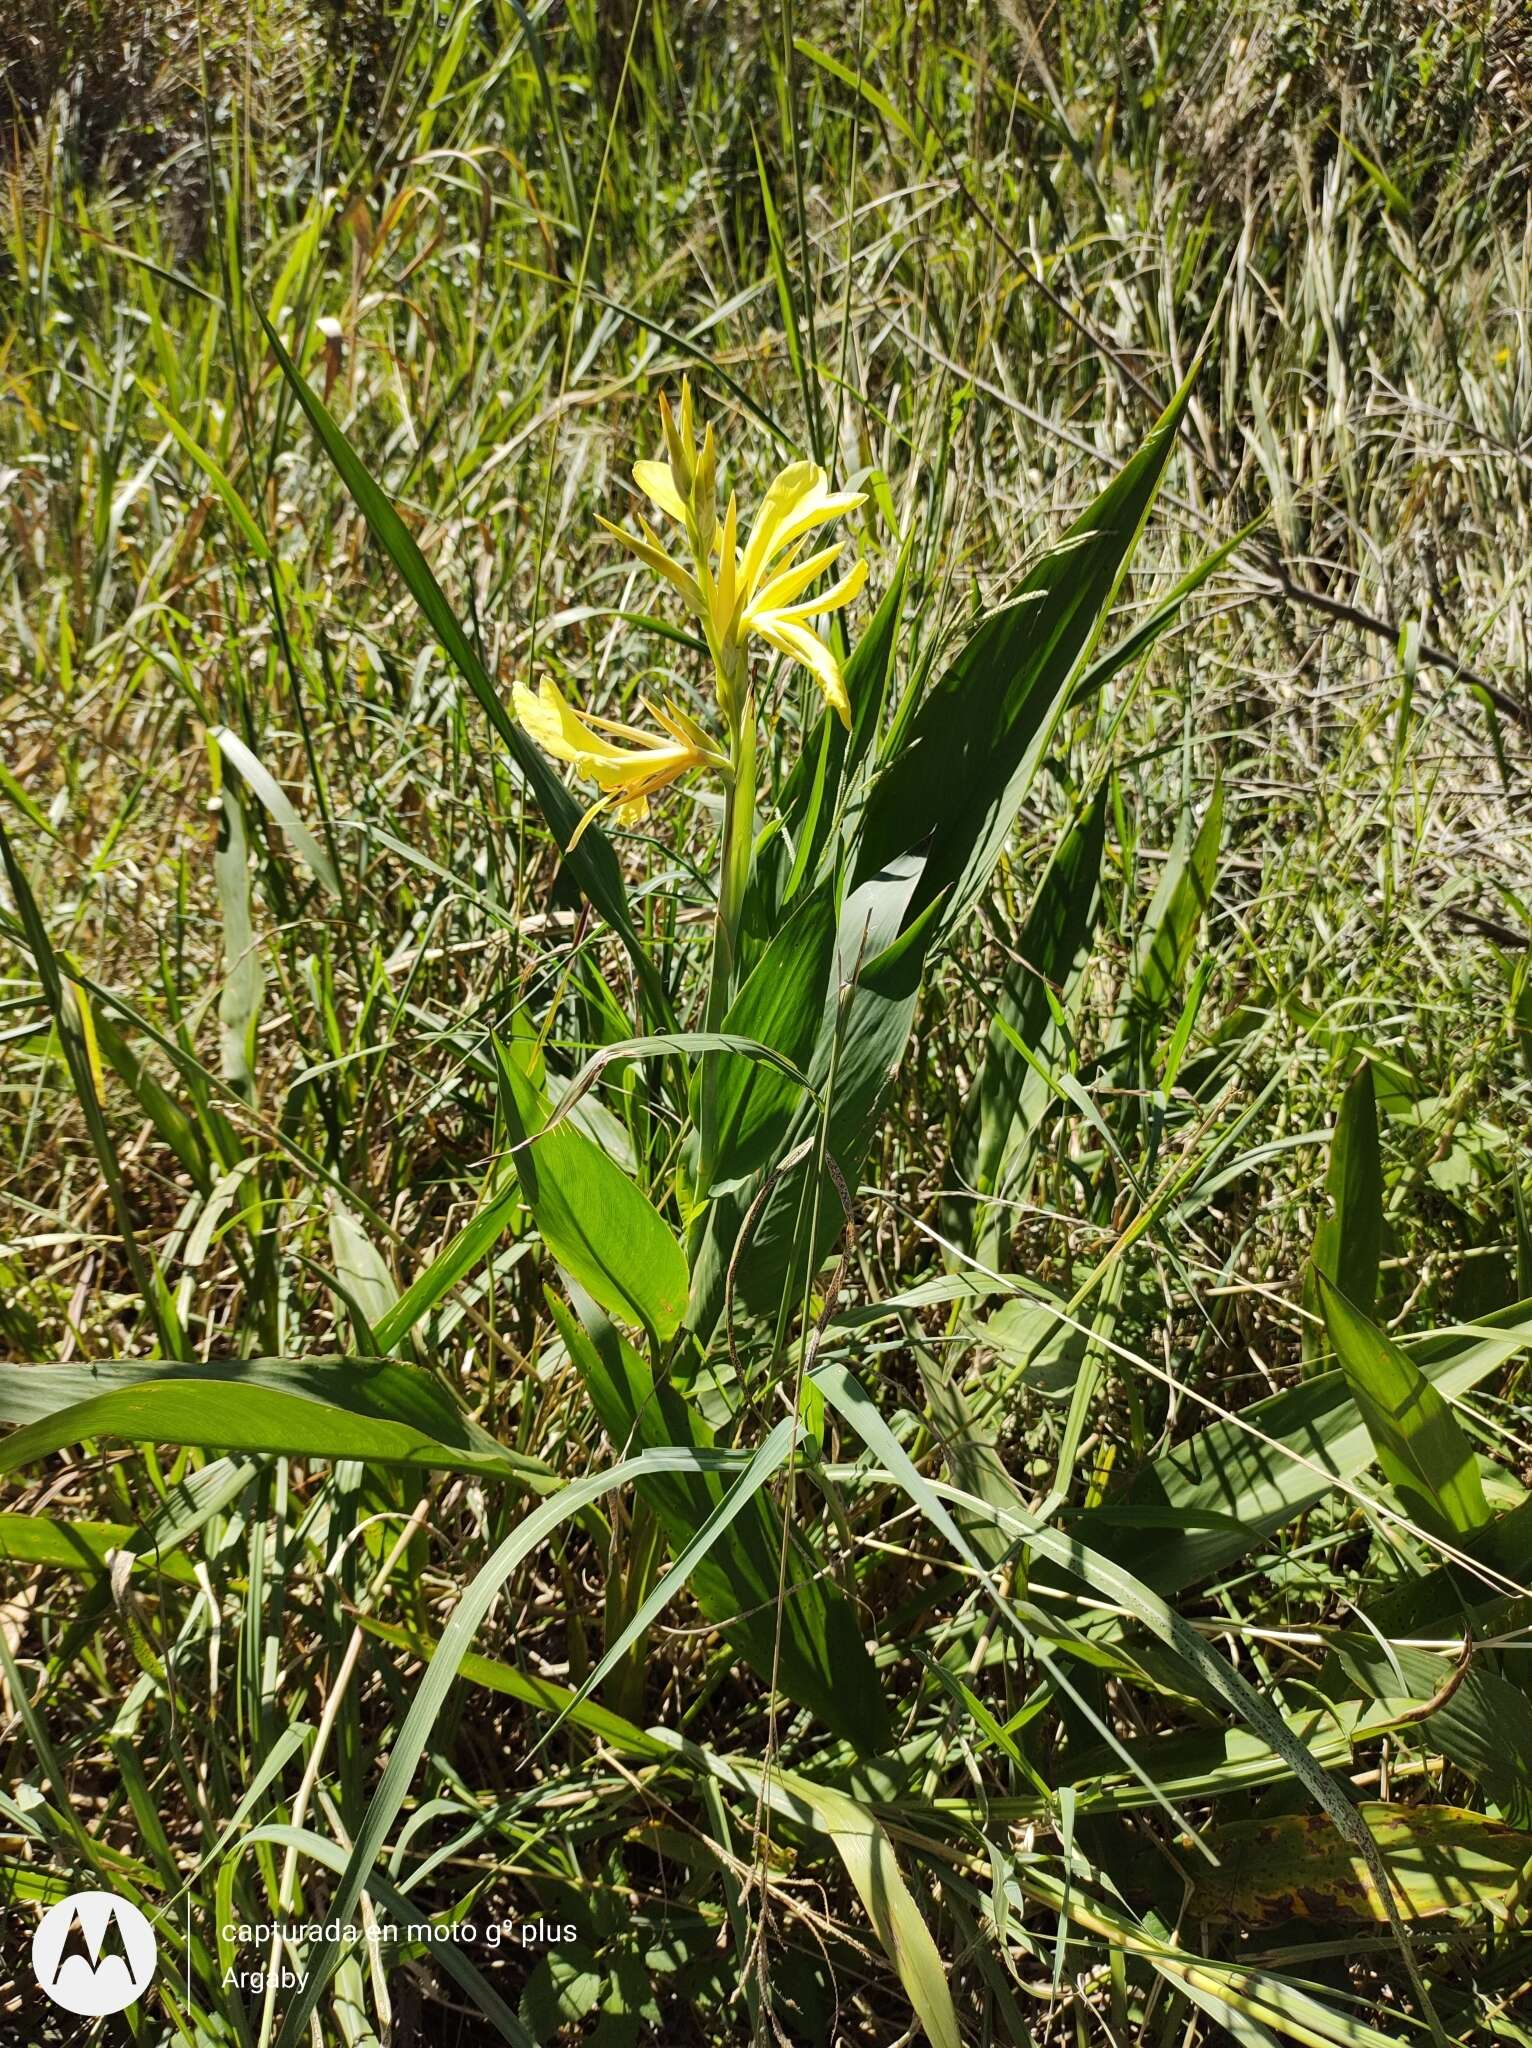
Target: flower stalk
(761, 588)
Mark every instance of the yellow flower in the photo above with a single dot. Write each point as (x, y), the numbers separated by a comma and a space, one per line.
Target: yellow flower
(627, 775)
(734, 593)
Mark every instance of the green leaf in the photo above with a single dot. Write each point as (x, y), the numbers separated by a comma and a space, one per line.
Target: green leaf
(868, 1854)
(1349, 1241)
(74, 1546)
(233, 503)
(458, 1256)
(602, 1229)
(1264, 1466)
(1423, 1454)
(879, 101)
(377, 1412)
(780, 1006)
(358, 1874)
(543, 1693)
(828, 764)
(1296, 1866)
(952, 790)
(1176, 910)
(262, 783)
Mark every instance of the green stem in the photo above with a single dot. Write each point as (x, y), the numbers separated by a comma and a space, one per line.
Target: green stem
(733, 881)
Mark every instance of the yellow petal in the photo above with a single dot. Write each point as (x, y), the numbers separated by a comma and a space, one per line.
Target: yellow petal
(658, 483)
(559, 729)
(628, 811)
(786, 584)
(829, 600)
(802, 645)
(816, 510)
(797, 482)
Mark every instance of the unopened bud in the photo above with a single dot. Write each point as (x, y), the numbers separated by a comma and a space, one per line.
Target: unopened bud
(705, 494)
(678, 447)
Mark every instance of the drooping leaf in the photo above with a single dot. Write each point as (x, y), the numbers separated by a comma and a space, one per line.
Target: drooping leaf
(302, 1408)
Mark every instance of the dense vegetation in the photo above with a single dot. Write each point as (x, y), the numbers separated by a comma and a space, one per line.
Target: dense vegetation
(885, 1397)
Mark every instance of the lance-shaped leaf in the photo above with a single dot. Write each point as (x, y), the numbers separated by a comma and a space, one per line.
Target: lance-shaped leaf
(602, 1229)
(1349, 1241)
(1424, 1456)
(1051, 951)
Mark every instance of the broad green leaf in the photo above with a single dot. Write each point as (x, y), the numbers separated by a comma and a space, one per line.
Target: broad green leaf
(311, 1408)
(818, 1652)
(1484, 1726)
(73, 1546)
(1176, 910)
(827, 767)
(780, 1006)
(360, 1266)
(953, 788)
(1349, 1241)
(1266, 1465)
(1423, 1454)
(1296, 1866)
(600, 1227)
(868, 1854)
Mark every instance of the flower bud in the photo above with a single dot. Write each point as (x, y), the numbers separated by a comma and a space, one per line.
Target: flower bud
(678, 443)
(704, 494)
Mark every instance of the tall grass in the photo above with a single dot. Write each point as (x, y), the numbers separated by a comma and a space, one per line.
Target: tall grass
(909, 1421)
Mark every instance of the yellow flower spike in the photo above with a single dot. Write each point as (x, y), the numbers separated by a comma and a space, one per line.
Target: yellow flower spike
(626, 775)
(762, 591)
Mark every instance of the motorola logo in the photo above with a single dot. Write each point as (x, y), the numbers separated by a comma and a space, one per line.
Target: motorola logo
(93, 1953)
